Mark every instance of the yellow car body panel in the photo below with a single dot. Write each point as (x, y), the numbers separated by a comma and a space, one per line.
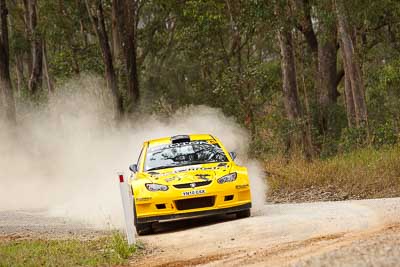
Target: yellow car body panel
(205, 196)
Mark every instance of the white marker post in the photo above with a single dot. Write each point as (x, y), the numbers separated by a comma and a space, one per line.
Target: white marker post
(127, 204)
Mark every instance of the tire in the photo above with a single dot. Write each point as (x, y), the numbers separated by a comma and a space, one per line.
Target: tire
(141, 228)
(144, 228)
(243, 214)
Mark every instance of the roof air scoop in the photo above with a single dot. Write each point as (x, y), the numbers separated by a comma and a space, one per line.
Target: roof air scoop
(180, 139)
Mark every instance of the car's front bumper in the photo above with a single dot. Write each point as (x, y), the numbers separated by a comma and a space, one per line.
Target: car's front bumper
(194, 214)
(227, 198)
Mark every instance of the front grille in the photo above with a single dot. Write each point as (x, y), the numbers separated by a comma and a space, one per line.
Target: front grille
(195, 203)
(197, 184)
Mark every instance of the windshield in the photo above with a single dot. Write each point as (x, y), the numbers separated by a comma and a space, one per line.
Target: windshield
(183, 154)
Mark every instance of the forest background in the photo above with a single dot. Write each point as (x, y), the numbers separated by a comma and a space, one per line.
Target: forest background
(315, 82)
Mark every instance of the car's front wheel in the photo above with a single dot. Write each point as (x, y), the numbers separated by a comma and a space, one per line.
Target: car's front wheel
(144, 228)
(243, 214)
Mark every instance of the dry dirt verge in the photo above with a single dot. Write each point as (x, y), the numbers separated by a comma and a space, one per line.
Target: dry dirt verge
(362, 174)
(377, 247)
(311, 194)
(323, 193)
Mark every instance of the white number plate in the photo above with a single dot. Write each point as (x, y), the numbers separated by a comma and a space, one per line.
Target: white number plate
(194, 192)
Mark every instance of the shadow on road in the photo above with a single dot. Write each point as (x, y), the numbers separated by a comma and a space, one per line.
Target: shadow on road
(181, 225)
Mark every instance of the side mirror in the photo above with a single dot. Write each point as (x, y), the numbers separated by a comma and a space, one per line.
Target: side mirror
(133, 168)
(233, 155)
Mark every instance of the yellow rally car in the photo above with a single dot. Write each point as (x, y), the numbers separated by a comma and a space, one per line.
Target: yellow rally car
(187, 176)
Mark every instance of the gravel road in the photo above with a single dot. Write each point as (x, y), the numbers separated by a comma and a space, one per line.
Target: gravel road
(28, 224)
(345, 233)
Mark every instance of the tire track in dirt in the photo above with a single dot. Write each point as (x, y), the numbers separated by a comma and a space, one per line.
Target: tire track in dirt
(279, 235)
(291, 253)
(286, 254)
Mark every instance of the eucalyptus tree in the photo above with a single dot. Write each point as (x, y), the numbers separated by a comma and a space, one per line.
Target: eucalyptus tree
(97, 17)
(36, 42)
(126, 15)
(6, 91)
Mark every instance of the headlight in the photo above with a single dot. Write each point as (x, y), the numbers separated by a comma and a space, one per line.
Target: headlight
(156, 187)
(227, 178)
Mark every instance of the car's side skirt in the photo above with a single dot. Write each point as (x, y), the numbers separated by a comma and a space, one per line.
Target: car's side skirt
(193, 214)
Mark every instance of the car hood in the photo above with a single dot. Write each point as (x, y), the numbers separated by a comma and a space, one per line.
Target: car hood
(189, 174)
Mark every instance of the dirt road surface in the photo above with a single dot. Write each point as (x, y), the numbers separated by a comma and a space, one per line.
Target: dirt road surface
(347, 233)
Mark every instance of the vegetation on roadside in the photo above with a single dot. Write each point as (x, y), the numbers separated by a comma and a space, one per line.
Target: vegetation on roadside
(365, 173)
(308, 75)
(109, 250)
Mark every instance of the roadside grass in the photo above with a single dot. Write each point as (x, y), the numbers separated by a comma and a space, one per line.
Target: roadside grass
(367, 173)
(104, 251)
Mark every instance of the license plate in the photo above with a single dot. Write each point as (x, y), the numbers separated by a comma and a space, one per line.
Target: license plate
(194, 192)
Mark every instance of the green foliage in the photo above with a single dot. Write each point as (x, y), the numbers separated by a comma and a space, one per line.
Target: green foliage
(67, 63)
(385, 135)
(336, 136)
(225, 54)
(383, 95)
(384, 92)
(353, 138)
(121, 247)
(110, 250)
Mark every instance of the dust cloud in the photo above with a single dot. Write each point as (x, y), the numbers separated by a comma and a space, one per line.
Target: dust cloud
(65, 156)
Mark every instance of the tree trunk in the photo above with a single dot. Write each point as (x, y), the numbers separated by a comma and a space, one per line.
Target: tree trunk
(116, 41)
(28, 34)
(96, 14)
(7, 95)
(352, 64)
(71, 44)
(324, 60)
(350, 109)
(35, 79)
(80, 5)
(75, 60)
(50, 86)
(290, 90)
(126, 15)
(327, 74)
(19, 69)
(308, 113)
(348, 97)
(234, 8)
(18, 53)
